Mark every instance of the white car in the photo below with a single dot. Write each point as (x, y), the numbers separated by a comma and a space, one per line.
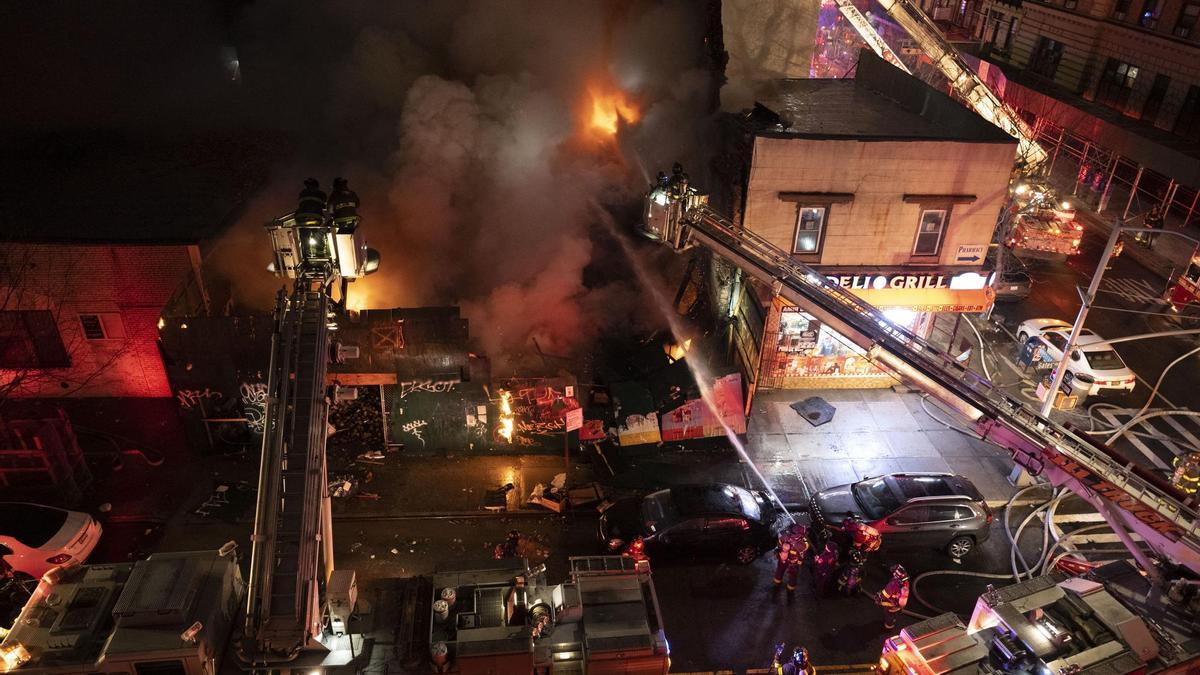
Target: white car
(35, 538)
(1095, 370)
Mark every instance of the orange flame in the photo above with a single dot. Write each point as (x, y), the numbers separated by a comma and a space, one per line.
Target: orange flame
(610, 107)
(506, 416)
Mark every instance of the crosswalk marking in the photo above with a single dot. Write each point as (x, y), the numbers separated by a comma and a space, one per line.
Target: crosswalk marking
(1111, 416)
(1135, 290)
(1174, 421)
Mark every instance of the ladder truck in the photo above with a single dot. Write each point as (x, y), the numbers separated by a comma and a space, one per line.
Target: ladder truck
(291, 564)
(1130, 499)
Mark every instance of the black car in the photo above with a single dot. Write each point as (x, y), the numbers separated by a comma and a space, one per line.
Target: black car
(938, 510)
(694, 520)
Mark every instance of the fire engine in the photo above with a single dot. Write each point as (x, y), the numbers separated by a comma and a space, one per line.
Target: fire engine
(1106, 621)
(1186, 289)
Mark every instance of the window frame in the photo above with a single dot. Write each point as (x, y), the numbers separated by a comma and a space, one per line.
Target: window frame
(42, 355)
(946, 210)
(1185, 31)
(825, 207)
(1047, 53)
(1115, 85)
(111, 325)
(1187, 120)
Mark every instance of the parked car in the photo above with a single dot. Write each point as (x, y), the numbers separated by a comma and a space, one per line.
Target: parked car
(1012, 283)
(938, 510)
(694, 520)
(36, 538)
(1095, 369)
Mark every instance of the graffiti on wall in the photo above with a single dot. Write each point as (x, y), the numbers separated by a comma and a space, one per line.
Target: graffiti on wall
(417, 429)
(429, 386)
(190, 398)
(254, 405)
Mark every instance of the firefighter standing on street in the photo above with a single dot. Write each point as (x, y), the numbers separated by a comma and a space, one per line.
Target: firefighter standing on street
(1187, 474)
(343, 204)
(850, 576)
(793, 545)
(893, 597)
(823, 567)
(311, 208)
(798, 664)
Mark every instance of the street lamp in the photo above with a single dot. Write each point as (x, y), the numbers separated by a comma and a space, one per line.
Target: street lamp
(1088, 297)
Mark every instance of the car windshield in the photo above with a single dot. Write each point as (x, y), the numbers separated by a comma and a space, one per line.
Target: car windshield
(750, 505)
(875, 498)
(1106, 359)
(31, 524)
(658, 510)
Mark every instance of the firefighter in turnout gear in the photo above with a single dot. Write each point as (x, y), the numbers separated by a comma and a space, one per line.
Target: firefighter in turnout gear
(793, 545)
(1187, 474)
(343, 205)
(893, 597)
(850, 576)
(311, 208)
(863, 537)
(823, 567)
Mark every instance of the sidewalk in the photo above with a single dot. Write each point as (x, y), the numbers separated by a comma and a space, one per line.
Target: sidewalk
(873, 432)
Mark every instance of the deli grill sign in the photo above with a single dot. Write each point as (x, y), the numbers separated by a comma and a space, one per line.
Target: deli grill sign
(882, 281)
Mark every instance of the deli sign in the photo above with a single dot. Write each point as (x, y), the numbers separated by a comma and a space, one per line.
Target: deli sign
(963, 281)
(1116, 495)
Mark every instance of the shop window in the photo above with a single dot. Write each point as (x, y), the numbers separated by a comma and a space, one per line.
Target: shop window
(1158, 91)
(30, 339)
(105, 326)
(1116, 83)
(1187, 124)
(929, 231)
(810, 229)
(1046, 57)
(805, 347)
(1187, 20)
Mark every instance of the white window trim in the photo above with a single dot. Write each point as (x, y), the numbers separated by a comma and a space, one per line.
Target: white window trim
(108, 321)
(800, 207)
(937, 251)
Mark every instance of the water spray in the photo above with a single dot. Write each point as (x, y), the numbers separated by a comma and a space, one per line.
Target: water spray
(665, 308)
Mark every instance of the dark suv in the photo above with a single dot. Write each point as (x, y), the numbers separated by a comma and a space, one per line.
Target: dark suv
(941, 510)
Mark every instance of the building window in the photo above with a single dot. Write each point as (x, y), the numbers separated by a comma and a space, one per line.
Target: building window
(929, 231)
(810, 229)
(1116, 83)
(30, 339)
(1187, 124)
(1120, 10)
(1186, 21)
(1071, 4)
(1046, 57)
(1149, 16)
(1158, 91)
(105, 326)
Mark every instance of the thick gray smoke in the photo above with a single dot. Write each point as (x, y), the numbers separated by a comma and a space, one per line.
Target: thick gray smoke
(462, 125)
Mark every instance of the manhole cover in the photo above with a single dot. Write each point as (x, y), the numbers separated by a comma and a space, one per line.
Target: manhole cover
(814, 409)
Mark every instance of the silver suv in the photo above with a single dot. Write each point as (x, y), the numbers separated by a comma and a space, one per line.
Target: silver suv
(941, 510)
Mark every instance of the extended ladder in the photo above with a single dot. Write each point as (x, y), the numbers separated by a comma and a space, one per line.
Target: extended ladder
(1129, 497)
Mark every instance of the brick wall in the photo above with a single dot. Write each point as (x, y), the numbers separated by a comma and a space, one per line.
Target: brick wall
(129, 284)
(878, 227)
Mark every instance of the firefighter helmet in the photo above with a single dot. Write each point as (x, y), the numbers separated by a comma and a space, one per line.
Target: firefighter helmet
(898, 572)
(800, 657)
(311, 183)
(339, 182)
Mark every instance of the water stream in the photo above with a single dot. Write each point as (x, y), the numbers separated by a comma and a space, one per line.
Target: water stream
(694, 359)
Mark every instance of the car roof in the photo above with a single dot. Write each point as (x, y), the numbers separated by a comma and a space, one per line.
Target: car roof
(696, 500)
(910, 486)
(1087, 337)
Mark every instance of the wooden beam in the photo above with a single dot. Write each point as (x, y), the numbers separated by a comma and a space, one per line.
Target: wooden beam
(360, 379)
(817, 197)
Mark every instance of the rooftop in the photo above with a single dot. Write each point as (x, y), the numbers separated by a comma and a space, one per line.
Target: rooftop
(880, 103)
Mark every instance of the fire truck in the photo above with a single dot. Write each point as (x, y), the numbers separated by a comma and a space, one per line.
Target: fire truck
(1186, 289)
(1106, 621)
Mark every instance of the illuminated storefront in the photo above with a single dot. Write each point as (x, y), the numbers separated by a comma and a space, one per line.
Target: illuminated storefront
(799, 351)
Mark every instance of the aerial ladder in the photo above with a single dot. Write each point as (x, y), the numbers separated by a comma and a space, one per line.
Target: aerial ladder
(968, 85)
(1129, 498)
(291, 561)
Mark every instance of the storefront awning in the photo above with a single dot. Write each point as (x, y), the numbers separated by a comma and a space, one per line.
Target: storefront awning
(929, 299)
